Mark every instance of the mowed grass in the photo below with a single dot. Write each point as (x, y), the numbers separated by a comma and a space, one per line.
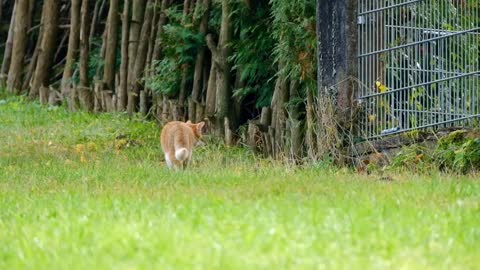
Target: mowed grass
(84, 191)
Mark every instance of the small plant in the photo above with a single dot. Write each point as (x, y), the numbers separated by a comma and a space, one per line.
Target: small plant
(458, 152)
(415, 157)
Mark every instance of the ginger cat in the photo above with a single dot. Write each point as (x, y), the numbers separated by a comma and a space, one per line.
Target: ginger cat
(178, 139)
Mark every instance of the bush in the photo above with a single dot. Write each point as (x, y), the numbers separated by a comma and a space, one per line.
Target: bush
(458, 152)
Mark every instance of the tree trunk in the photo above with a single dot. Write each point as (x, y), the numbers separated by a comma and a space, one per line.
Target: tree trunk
(19, 46)
(165, 109)
(7, 53)
(143, 103)
(149, 67)
(151, 38)
(201, 106)
(295, 123)
(58, 56)
(140, 59)
(33, 62)
(1, 11)
(311, 141)
(73, 44)
(138, 9)
(84, 91)
(31, 12)
(161, 22)
(185, 67)
(204, 6)
(220, 54)
(211, 92)
(122, 91)
(279, 117)
(27, 81)
(111, 46)
(236, 108)
(186, 9)
(99, 6)
(41, 78)
(103, 50)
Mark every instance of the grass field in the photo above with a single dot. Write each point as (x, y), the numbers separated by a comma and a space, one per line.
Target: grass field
(83, 191)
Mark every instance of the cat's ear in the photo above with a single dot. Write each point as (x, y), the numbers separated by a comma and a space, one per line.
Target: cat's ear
(188, 122)
(200, 127)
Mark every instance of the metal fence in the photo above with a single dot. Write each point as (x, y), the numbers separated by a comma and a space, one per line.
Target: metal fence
(418, 64)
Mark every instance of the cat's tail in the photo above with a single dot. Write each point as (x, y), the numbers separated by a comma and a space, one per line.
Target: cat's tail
(181, 154)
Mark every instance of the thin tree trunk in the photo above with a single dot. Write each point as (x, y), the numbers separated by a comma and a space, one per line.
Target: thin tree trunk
(31, 11)
(1, 11)
(280, 97)
(73, 44)
(151, 39)
(236, 109)
(138, 10)
(142, 49)
(99, 6)
(98, 94)
(185, 67)
(311, 139)
(157, 50)
(220, 54)
(157, 47)
(7, 54)
(84, 91)
(143, 103)
(122, 91)
(27, 82)
(103, 51)
(111, 46)
(183, 91)
(19, 46)
(149, 67)
(58, 56)
(211, 92)
(186, 6)
(33, 63)
(41, 78)
(295, 124)
(191, 7)
(201, 106)
(203, 27)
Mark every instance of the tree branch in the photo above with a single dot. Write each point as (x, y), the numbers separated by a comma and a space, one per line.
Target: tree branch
(213, 48)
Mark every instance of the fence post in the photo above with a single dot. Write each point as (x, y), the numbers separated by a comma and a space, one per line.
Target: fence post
(337, 65)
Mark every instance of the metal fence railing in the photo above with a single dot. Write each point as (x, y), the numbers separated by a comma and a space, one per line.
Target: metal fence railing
(418, 64)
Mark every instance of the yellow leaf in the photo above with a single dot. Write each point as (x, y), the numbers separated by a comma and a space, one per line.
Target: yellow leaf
(372, 117)
(381, 87)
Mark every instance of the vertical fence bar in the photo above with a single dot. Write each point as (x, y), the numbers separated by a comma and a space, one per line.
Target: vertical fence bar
(390, 23)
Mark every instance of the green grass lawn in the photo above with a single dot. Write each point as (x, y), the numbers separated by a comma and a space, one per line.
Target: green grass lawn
(83, 191)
